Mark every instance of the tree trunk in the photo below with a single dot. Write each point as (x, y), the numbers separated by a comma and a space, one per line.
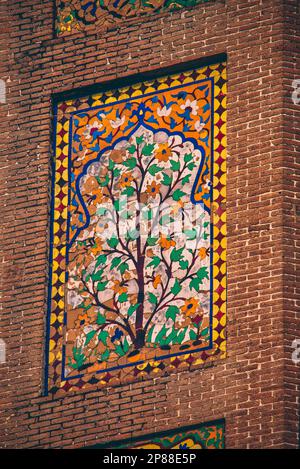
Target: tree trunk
(139, 339)
(139, 332)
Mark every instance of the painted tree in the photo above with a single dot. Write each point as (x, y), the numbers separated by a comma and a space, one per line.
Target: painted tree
(139, 273)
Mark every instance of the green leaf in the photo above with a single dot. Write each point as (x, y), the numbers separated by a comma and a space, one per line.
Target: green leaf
(130, 163)
(101, 286)
(111, 164)
(188, 157)
(89, 337)
(133, 234)
(97, 275)
(125, 345)
(177, 195)
(100, 319)
(176, 254)
(191, 166)
(148, 149)
(102, 337)
(171, 337)
(149, 336)
(181, 335)
(167, 180)
(132, 309)
(165, 219)
(113, 242)
(117, 172)
(104, 182)
(184, 264)
(115, 262)
(202, 274)
(155, 261)
(152, 241)
(123, 298)
(195, 284)
(175, 165)
(161, 334)
(171, 312)
(119, 204)
(186, 179)
(105, 355)
(128, 191)
(152, 298)
(123, 267)
(205, 332)
(147, 214)
(193, 335)
(154, 169)
(119, 350)
(101, 211)
(176, 288)
(86, 307)
(78, 357)
(140, 139)
(191, 234)
(101, 260)
(131, 149)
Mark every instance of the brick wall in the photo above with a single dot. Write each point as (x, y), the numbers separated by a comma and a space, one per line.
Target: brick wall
(255, 388)
(291, 215)
(5, 403)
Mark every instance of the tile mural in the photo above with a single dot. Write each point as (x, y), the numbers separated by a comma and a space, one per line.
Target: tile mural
(138, 233)
(209, 435)
(79, 15)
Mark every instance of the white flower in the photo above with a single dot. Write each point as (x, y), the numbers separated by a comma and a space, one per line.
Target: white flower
(90, 129)
(190, 106)
(199, 125)
(180, 319)
(207, 184)
(164, 111)
(117, 122)
(80, 341)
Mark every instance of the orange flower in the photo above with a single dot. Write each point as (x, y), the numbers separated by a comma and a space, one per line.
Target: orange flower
(166, 243)
(153, 189)
(82, 320)
(92, 192)
(149, 253)
(190, 306)
(127, 275)
(97, 248)
(157, 281)
(202, 253)
(163, 152)
(90, 185)
(117, 288)
(118, 155)
(125, 180)
(97, 197)
(177, 207)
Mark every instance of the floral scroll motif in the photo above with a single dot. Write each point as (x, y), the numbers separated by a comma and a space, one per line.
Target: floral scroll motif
(79, 15)
(203, 436)
(138, 252)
